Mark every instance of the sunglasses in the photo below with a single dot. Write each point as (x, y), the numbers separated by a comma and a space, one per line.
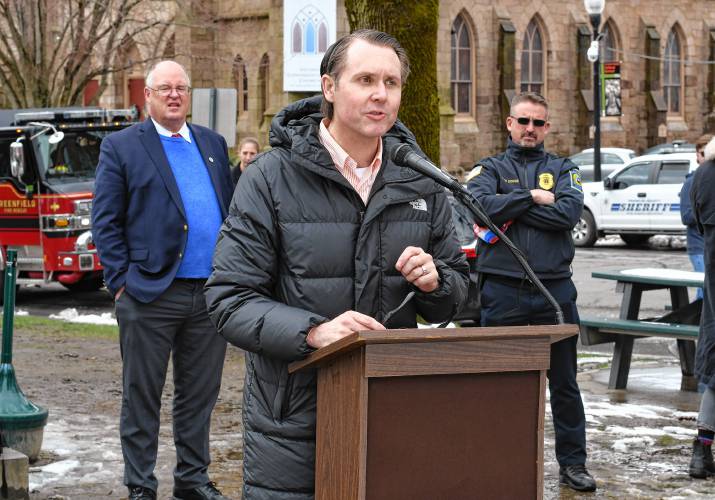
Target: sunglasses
(523, 120)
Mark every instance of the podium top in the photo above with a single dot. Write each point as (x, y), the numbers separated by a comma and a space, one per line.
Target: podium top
(419, 335)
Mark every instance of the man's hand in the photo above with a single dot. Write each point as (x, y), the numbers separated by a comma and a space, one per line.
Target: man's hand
(118, 294)
(418, 268)
(543, 197)
(342, 326)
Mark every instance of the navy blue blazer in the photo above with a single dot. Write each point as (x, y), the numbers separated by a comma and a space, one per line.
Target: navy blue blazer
(138, 220)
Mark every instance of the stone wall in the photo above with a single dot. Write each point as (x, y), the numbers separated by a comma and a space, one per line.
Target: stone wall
(254, 28)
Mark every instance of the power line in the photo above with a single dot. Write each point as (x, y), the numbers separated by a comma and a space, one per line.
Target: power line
(662, 59)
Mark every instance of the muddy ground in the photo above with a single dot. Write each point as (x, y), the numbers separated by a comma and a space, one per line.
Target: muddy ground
(638, 440)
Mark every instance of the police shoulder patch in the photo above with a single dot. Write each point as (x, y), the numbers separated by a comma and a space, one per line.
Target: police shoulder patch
(576, 179)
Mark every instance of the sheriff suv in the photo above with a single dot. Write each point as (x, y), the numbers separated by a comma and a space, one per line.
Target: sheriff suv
(637, 201)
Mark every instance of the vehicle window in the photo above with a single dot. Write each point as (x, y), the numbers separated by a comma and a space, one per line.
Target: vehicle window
(74, 158)
(673, 173)
(633, 175)
(5, 156)
(582, 159)
(611, 158)
(587, 174)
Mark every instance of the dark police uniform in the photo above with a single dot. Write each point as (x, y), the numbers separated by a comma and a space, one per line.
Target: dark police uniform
(502, 184)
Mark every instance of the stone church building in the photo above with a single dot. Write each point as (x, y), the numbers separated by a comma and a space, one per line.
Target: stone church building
(487, 51)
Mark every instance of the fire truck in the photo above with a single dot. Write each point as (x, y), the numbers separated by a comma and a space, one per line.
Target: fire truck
(48, 159)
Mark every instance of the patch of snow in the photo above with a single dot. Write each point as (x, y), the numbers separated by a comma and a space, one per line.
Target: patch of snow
(634, 431)
(61, 467)
(71, 315)
(21, 312)
(624, 444)
(593, 359)
(604, 409)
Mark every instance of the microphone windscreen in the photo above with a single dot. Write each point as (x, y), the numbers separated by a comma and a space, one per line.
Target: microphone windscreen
(399, 153)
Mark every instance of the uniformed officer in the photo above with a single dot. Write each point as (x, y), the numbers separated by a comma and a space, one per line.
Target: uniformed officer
(540, 195)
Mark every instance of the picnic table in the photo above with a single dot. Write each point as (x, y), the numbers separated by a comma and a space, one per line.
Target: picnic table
(681, 323)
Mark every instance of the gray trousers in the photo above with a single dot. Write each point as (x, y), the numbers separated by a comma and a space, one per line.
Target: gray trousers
(706, 417)
(176, 323)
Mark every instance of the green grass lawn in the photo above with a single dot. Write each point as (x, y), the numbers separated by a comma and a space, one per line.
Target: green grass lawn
(58, 327)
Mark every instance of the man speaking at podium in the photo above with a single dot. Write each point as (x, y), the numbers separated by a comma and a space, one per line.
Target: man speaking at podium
(540, 195)
(325, 237)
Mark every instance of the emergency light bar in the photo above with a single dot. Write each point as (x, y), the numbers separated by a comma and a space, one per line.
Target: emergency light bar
(76, 115)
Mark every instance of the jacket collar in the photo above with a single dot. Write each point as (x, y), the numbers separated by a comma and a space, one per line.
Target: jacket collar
(517, 152)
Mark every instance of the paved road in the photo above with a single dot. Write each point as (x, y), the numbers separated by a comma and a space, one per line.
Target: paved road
(596, 297)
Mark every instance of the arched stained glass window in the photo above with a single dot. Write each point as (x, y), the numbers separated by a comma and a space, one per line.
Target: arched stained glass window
(461, 71)
(240, 82)
(673, 73)
(532, 60)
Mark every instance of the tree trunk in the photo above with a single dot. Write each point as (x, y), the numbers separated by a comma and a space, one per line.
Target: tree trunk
(414, 24)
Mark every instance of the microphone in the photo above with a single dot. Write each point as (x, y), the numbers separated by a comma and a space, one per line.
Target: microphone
(404, 156)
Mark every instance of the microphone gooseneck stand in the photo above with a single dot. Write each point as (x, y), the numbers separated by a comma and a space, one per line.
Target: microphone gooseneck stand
(403, 155)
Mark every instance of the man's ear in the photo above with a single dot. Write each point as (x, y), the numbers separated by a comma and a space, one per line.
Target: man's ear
(328, 85)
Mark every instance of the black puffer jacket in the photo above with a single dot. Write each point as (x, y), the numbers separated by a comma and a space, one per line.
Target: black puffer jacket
(300, 247)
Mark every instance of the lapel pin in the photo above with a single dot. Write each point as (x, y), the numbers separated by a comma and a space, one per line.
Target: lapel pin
(211, 159)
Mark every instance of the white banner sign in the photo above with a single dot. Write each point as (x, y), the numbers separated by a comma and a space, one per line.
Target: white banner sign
(309, 27)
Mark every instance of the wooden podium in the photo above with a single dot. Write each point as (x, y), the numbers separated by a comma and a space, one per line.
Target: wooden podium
(433, 414)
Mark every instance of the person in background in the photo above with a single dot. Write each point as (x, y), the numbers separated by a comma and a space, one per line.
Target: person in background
(694, 239)
(702, 197)
(163, 189)
(247, 150)
(541, 196)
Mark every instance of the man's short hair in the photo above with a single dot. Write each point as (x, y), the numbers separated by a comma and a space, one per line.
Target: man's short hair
(149, 80)
(703, 141)
(531, 97)
(334, 59)
(249, 140)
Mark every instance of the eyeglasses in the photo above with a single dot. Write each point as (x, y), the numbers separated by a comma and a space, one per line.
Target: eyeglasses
(523, 120)
(165, 90)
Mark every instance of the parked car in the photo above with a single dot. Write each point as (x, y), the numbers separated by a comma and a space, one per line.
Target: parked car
(611, 159)
(670, 147)
(464, 223)
(637, 201)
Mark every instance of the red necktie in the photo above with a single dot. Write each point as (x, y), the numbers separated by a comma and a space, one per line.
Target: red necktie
(175, 135)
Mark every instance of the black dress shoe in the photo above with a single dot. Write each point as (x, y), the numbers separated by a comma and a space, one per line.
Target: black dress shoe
(701, 463)
(141, 493)
(205, 492)
(577, 477)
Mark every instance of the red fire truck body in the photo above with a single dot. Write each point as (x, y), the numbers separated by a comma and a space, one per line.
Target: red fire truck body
(48, 160)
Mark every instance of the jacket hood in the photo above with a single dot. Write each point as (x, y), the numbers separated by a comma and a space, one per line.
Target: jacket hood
(301, 120)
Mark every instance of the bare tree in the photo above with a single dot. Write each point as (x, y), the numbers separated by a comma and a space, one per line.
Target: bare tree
(50, 50)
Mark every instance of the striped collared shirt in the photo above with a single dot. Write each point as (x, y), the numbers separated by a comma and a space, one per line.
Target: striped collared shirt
(360, 178)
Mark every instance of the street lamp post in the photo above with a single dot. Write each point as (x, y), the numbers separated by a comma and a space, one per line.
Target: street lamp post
(594, 9)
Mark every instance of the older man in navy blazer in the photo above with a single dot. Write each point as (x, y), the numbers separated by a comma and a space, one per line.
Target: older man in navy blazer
(161, 194)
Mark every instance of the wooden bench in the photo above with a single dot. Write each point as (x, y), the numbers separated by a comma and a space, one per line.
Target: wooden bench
(592, 327)
(622, 332)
